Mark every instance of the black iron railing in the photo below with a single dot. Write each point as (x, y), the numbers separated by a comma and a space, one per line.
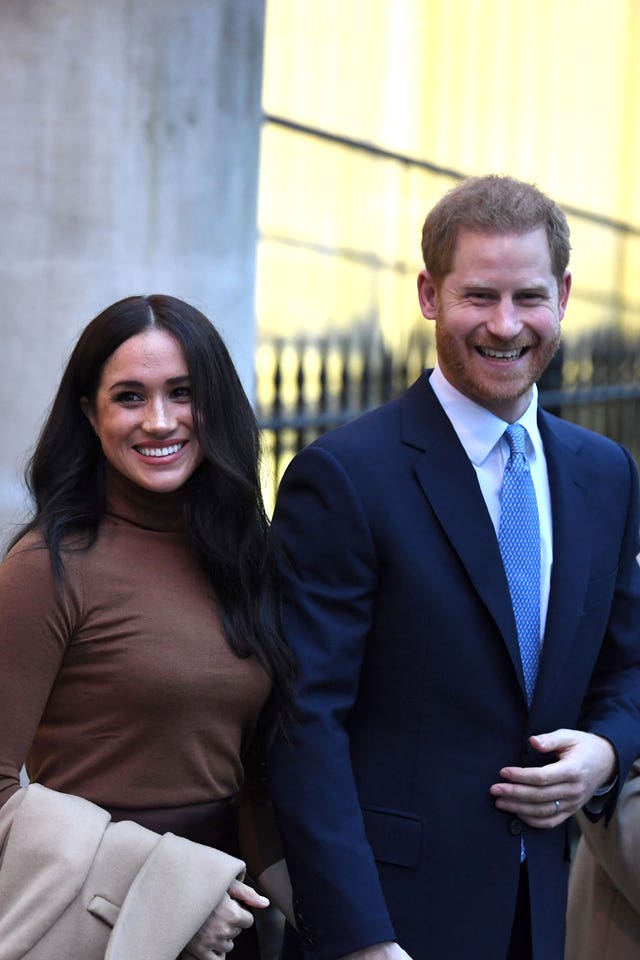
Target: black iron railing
(308, 386)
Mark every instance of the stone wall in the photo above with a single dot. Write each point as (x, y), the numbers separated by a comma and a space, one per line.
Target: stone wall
(129, 162)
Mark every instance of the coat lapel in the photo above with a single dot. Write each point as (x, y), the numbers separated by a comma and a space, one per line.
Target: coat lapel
(450, 483)
(572, 544)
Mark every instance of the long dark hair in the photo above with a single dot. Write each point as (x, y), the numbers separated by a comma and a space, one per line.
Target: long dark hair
(224, 517)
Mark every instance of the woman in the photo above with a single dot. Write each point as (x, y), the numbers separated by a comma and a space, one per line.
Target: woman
(138, 633)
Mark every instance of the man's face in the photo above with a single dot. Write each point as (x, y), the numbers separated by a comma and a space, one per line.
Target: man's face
(497, 316)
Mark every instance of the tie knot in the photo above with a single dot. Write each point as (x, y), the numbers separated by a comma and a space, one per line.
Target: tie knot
(515, 435)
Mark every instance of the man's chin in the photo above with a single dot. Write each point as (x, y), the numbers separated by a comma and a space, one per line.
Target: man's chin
(502, 389)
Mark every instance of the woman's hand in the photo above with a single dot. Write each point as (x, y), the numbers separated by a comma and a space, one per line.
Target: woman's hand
(216, 935)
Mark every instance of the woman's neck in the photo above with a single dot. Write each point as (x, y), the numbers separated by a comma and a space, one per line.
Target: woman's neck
(145, 508)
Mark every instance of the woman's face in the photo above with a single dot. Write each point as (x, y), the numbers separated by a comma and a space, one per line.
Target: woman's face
(142, 412)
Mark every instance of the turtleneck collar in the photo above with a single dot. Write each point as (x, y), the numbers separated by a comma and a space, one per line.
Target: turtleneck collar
(144, 508)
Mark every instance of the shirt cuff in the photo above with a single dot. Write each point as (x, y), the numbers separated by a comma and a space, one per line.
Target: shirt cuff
(598, 801)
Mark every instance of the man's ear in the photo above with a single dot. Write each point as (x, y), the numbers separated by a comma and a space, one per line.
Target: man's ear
(563, 293)
(427, 295)
(85, 406)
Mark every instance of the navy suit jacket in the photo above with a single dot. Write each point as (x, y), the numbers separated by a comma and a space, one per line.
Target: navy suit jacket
(411, 692)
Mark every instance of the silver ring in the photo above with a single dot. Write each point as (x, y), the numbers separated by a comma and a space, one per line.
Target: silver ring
(557, 803)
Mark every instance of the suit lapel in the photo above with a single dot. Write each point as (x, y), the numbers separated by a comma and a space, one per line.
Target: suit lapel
(572, 544)
(450, 484)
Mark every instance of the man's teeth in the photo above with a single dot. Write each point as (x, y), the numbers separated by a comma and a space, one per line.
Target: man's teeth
(159, 451)
(500, 354)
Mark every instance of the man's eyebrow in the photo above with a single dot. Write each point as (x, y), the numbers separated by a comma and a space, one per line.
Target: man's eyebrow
(534, 288)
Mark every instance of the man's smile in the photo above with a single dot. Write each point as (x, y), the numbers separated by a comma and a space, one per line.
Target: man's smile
(491, 353)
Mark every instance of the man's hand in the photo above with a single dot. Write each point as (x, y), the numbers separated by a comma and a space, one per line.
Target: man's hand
(547, 796)
(215, 937)
(379, 951)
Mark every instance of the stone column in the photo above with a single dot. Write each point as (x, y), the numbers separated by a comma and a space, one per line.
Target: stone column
(129, 164)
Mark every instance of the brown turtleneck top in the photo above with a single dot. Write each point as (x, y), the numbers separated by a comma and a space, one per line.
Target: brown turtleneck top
(120, 686)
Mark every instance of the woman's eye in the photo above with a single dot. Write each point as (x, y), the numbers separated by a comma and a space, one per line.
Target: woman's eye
(181, 393)
(127, 396)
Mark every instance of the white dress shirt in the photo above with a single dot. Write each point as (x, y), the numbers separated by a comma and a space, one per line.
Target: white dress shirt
(481, 434)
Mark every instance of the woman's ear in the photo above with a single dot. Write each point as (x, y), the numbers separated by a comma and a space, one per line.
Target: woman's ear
(88, 412)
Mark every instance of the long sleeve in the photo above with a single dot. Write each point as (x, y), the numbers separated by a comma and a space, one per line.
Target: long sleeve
(35, 624)
(329, 579)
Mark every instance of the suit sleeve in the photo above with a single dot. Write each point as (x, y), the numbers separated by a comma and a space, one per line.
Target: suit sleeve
(329, 578)
(612, 703)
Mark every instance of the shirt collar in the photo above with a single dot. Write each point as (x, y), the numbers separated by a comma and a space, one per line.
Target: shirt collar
(477, 428)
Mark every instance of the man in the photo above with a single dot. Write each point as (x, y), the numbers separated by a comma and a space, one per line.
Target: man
(453, 711)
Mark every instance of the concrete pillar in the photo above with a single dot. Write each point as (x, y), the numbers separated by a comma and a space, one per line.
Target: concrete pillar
(129, 164)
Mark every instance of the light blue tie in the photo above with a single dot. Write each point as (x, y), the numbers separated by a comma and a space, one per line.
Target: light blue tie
(519, 539)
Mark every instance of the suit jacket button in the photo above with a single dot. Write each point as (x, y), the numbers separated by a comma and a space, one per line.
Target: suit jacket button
(515, 826)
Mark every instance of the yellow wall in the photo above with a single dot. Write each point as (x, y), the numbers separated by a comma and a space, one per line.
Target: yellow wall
(546, 90)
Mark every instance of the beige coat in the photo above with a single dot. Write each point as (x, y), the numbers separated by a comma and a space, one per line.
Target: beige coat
(603, 918)
(75, 885)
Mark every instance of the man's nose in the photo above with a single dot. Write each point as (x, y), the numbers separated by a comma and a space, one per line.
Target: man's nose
(504, 321)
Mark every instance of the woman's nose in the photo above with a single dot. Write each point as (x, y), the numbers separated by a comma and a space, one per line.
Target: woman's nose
(160, 418)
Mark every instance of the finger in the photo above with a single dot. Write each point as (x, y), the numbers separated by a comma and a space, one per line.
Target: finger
(217, 947)
(230, 913)
(541, 816)
(534, 796)
(249, 895)
(536, 793)
(555, 740)
(231, 932)
(235, 918)
(223, 924)
(542, 824)
(210, 952)
(568, 790)
(537, 821)
(548, 810)
(553, 774)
